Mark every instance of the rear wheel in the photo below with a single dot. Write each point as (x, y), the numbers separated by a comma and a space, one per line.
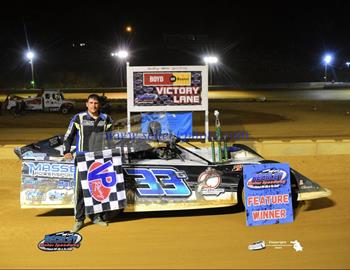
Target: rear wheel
(241, 196)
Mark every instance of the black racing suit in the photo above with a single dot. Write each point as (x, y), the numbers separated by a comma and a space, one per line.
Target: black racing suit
(89, 134)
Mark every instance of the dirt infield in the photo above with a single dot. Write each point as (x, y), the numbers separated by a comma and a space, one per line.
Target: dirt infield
(216, 238)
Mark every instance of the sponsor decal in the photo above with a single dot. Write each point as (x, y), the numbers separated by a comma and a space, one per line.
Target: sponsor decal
(35, 195)
(237, 168)
(66, 184)
(155, 182)
(101, 178)
(59, 195)
(60, 241)
(270, 178)
(54, 141)
(167, 79)
(209, 181)
(146, 98)
(295, 244)
(32, 155)
(48, 169)
(28, 183)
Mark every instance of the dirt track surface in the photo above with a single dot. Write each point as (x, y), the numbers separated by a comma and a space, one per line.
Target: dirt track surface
(257, 120)
(216, 238)
(200, 239)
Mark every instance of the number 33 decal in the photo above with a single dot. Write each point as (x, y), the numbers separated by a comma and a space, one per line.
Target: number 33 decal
(159, 182)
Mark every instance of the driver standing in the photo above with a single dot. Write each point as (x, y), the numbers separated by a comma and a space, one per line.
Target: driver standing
(86, 127)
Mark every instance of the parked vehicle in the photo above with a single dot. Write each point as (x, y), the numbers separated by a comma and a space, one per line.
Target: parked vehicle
(47, 100)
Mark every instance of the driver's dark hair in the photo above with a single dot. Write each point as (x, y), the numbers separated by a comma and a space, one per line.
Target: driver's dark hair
(94, 96)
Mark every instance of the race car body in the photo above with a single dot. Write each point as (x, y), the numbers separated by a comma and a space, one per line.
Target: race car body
(159, 174)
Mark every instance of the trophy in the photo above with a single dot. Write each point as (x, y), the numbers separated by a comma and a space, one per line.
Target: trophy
(218, 139)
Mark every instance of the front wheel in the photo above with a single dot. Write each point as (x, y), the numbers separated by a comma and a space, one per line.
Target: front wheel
(294, 190)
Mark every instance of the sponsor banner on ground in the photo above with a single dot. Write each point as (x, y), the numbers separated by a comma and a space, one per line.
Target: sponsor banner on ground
(267, 189)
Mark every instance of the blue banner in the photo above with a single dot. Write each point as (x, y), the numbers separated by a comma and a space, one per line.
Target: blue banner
(179, 124)
(267, 189)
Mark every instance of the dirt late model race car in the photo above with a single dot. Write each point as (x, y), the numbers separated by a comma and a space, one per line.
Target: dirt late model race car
(164, 173)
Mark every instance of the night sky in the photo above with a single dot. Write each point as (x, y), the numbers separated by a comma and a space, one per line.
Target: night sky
(267, 42)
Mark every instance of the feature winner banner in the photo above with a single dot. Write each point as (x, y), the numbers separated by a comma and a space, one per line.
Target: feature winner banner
(102, 180)
(267, 189)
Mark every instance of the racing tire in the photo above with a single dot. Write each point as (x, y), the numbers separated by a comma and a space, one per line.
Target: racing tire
(294, 190)
(241, 196)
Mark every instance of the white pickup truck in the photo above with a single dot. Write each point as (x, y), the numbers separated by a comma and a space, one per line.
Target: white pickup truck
(47, 100)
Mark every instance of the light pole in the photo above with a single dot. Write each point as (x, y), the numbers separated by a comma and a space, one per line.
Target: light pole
(327, 59)
(210, 60)
(122, 55)
(30, 56)
(347, 64)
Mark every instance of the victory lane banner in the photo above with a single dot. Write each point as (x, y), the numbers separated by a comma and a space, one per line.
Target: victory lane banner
(102, 180)
(167, 88)
(267, 189)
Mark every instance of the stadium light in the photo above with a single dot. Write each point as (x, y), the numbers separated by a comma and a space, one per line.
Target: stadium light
(122, 55)
(210, 60)
(30, 56)
(327, 60)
